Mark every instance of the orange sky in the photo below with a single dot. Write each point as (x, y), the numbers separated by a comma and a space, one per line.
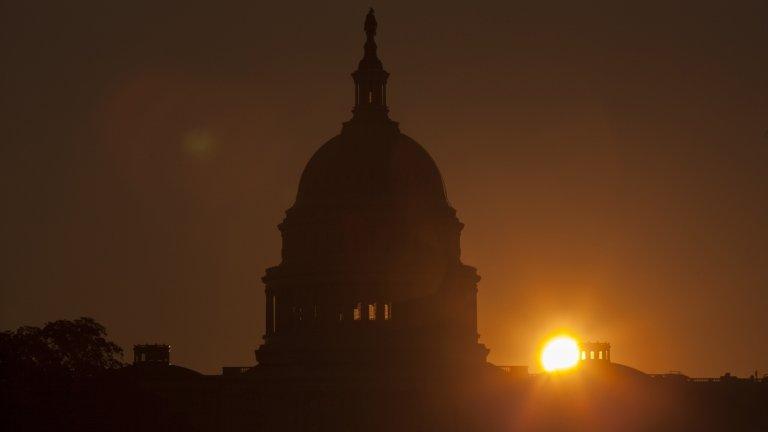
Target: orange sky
(608, 162)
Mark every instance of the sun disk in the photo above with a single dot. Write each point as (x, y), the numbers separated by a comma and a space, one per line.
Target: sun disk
(560, 353)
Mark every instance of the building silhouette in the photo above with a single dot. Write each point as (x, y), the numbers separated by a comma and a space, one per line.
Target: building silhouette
(371, 269)
(371, 317)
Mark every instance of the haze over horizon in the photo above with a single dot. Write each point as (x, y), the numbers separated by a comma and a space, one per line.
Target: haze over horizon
(607, 160)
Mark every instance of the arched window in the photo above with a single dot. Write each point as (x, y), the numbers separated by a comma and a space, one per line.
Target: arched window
(357, 312)
(372, 311)
(600, 355)
(591, 355)
(583, 355)
(387, 311)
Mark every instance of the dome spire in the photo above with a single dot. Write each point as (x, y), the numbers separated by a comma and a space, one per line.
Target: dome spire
(370, 76)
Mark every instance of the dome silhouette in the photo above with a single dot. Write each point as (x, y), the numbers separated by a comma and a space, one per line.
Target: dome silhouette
(370, 271)
(363, 168)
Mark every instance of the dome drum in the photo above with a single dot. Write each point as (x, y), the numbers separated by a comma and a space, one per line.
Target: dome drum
(366, 240)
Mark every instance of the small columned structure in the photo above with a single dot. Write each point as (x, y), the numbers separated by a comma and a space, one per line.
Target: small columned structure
(595, 352)
(156, 354)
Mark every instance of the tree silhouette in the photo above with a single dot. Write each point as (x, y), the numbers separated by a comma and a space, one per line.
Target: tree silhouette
(40, 369)
(74, 349)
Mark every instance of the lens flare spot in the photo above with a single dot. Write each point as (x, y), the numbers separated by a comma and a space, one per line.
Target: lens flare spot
(560, 353)
(198, 143)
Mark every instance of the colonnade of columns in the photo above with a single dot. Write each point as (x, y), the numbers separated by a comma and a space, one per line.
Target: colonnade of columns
(280, 316)
(598, 351)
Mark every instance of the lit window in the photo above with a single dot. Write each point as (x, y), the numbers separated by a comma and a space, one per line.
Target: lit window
(600, 355)
(372, 311)
(387, 311)
(583, 355)
(591, 355)
(357, 312)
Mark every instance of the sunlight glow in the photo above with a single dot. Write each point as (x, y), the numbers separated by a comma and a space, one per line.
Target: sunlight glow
(561, 352)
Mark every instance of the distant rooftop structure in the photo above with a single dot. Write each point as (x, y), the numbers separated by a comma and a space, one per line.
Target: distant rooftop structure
(595, 352)
(159, 354)
(235, 370)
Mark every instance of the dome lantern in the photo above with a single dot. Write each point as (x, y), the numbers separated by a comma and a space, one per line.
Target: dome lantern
(370, 77)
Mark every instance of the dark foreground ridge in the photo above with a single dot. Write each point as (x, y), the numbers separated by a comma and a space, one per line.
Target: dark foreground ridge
(371, 325)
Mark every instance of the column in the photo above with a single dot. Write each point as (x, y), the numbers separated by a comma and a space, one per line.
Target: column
(270, 313)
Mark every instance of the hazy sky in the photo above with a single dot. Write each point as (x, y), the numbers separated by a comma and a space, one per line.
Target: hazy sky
(609, 162)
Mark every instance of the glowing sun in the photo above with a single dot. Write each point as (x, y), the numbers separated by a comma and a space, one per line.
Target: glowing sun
(560, 353)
